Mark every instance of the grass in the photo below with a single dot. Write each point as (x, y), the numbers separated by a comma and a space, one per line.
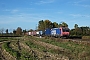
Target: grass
(35, 46)
(14, 50)
(24, 53)
(77, 50)
(10, 50)
(42, 49)
(7, 39)
(46, 48)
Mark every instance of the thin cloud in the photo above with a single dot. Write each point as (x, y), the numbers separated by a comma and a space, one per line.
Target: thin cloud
(21, 18)
(79, 15)
(85, 5)
(80, 3)
(45, 1)
(14, 11)
(59, 12)
(11, 10)
(6, 10)
(76, 2)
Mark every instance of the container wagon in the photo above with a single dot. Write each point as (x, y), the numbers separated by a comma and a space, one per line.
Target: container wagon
(39, 33)
(32, 33)
(48, 32)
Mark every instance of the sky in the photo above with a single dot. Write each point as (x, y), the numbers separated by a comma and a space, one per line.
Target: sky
(27, 13)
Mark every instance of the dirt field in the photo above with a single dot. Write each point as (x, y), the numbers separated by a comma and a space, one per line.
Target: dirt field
(33, 48)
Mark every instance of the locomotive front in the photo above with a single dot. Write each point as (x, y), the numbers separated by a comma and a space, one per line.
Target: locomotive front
(65, 31)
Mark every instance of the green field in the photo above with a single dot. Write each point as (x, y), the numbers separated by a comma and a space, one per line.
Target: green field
(33, 48)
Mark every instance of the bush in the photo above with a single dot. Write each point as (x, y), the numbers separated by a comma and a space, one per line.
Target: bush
(86, 37)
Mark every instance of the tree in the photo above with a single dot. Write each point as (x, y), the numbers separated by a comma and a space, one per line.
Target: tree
(76, 26)
(14, 31)
(60, 25)
(54, 25)
(85, 30)
(1, 30)
(30, 30)
(19, 31)
(80, 31)
(72, 32)
(6, 31)
(63, 24)
(24, 31)
(42, 25)
(48, 24)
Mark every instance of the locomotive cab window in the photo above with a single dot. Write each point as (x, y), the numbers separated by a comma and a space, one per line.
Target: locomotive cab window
(65, 29)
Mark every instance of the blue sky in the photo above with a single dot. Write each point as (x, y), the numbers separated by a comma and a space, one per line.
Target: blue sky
(27, 13)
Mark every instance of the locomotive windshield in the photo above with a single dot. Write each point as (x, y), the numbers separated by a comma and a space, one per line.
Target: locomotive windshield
(65, 29)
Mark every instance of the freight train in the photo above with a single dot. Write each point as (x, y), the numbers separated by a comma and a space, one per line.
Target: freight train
(54, 32)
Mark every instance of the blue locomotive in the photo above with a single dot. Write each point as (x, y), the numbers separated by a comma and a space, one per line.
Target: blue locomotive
(57, 32)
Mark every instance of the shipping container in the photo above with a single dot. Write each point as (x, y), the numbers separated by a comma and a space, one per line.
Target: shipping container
(32, 33)
(39, 33)
(29, 33)
(48, 32)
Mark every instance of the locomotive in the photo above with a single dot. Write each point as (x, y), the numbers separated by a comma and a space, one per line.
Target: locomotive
(58, 32)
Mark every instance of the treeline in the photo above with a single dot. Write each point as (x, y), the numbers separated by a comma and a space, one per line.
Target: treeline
(44, 24)
(80, 31)
(15, 33)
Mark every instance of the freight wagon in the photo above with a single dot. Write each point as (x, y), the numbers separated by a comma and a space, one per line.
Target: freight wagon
(34, 33)
(39, 33)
